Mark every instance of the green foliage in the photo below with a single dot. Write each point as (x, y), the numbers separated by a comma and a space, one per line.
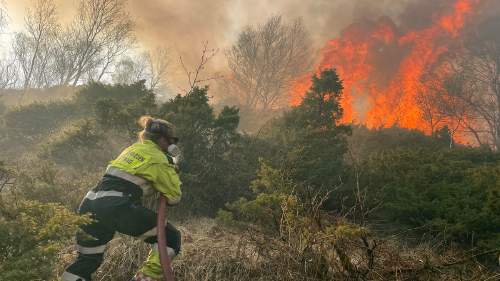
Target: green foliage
(81, 145)
(118, 106)
(312, 144)
(320, 108)
(215, 170)
(454, 193)
(276, 209)
(365, 142)
(45, 182)
(30, 123)
(281, 181)
(123, 94)
(84, 132)
(270, 189)
(225, 218)
(31, 235)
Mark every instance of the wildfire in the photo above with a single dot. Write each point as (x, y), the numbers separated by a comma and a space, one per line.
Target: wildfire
(382, 68)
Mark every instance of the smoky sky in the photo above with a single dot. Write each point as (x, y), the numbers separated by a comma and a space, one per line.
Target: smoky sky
(183, 26)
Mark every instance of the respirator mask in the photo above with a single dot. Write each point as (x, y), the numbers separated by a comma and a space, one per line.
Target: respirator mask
(175, 152)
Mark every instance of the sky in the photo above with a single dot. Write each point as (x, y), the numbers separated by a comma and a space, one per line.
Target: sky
(185, 25)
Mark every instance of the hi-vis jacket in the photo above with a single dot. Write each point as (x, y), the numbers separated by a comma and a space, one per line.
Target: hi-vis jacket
(146, 160)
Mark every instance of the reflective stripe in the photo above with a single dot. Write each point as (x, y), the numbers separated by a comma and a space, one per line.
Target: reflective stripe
(91, 250)
(170, 251)
(100, 194)
(147, 234)
(112, 171)
(67, 276)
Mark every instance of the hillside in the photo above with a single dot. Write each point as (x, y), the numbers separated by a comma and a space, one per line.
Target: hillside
(306, 199)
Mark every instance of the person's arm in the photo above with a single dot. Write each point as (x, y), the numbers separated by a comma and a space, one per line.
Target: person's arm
(165, 179)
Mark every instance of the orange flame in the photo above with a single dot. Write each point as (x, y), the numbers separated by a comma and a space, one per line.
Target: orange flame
(382, 68)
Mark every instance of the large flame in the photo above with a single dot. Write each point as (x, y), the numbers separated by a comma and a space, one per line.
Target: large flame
(382, 68)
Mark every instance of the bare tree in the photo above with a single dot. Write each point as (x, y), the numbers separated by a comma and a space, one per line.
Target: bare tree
(30, 48)
(129, 70)
(49, 55)
(100, 33)
(8, 74)
(114, 50)
(471, 90)
(462, 106)
(62, 56)
(448, 99)
(195, 76)
(3, 16)
(8, 70)
(482, 67)
(150, 66)
(266, 59)
(158, 62)
(426, 101)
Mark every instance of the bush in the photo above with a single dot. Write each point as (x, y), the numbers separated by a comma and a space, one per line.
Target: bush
(117, 106)
(310, 139)
(30, 123)
(80, 145)
(31, 236)
(123, 94)
(219, 161)
(453, 193)
(365, 142)
(45, 182)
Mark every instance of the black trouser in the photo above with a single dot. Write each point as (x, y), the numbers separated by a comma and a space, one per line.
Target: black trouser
(114, 214)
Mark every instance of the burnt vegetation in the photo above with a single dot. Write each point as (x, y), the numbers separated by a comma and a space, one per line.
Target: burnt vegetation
(305, 196)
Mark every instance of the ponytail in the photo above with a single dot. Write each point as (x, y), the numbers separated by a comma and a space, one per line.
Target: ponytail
(145, 122)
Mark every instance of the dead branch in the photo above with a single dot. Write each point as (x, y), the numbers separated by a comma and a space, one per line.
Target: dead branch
(194, 76)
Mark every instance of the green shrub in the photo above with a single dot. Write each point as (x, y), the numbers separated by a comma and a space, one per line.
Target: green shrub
(310, 140)
(454, 193)
(220, 163)
(80, 145)
(31, 236)
(117, 106)
(30, 123)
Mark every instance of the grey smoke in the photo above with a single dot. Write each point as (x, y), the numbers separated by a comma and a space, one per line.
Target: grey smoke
(183, 26)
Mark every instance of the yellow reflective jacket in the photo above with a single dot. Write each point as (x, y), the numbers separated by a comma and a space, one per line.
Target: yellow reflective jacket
(146, 160)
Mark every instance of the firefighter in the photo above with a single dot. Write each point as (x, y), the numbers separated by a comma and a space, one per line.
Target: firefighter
(115, 203)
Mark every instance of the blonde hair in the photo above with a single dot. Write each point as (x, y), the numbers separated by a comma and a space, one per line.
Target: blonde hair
(143, 122)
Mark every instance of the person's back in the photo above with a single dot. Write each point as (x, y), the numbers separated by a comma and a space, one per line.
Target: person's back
(115, 203)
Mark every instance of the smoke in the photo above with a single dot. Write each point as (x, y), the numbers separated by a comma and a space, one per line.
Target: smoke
(184, 26)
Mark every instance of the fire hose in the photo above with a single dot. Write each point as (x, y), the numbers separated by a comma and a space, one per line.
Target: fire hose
(166, 264)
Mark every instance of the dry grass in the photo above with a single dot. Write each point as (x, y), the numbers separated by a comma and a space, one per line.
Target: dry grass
(212, 252)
